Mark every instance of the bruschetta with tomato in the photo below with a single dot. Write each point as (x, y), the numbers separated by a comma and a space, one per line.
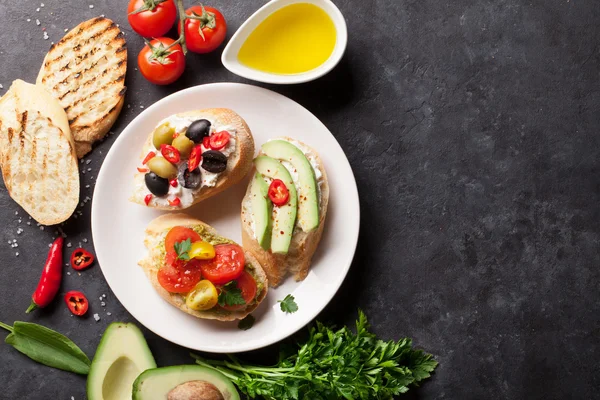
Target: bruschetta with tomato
(201, 272)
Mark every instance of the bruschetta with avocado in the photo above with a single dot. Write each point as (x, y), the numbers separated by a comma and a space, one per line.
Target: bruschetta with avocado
(284, 209)
(201, 272)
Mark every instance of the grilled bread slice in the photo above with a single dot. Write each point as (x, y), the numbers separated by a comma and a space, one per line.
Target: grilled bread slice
(85, 72)
(37, 154)
(154, 242)
(303, 244)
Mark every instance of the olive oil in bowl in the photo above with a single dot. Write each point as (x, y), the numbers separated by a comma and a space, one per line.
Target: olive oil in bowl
(294, 39)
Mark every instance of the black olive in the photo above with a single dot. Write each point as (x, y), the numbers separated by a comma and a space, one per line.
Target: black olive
(156, 185)
(198, 130)
(189, 179)
(214, 161)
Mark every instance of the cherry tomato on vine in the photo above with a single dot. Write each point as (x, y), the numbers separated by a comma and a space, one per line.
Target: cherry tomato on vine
(151, 18)
(161, 62)
(205, 30)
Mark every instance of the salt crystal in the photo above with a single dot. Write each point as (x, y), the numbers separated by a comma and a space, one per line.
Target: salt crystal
(87, 186)
(37, 9)
(14, 240)
(104, 295)
(37, 22)
(109, 314)
(42, 5)
(9, 242)
(28, 19)
(68, 272)
(66, 30)
(49, 244)
(103, 304)
(16, 213)
(84, 240)
(89, 169)
(141, 106)
(17, 254)
(100, 298)
(69, 244)
(46, 37)
(96, 317)
(41, 228)
(28, 223)
(91, 6)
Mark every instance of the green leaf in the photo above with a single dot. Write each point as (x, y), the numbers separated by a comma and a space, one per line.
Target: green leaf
(246, 323)
(288, 304)
(182, 248)
(48, 347)
(231, 295)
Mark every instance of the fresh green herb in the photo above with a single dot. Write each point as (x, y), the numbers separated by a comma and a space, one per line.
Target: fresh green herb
(332, 365)
(231, 295)
(246, 323)
(182, 248)
(288, 304)
(47, 347)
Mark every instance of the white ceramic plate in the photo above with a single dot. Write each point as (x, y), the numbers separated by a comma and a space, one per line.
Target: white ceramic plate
(118, 225)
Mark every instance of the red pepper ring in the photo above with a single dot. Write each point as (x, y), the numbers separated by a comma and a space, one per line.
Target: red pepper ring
(170, 153)
(81, 259)
(77, 302)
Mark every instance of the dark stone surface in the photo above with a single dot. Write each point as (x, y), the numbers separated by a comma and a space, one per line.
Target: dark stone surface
(472, 128)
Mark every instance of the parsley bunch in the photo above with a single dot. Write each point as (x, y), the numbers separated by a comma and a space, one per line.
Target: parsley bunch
(331, 365)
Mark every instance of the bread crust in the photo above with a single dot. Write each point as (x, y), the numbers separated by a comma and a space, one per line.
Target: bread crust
(157, 229)
(238, 163)
(303, 244)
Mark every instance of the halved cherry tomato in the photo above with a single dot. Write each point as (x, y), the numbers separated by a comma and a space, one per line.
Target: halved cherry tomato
(179, 234)
(143, 170)
(278, 192)
(81, 259)
(149, 157)
(207, 32)
(77, 302)
(227, 265)
(179, 280)
(148, 198)
(247, 285)
(218, 140)
(151, 22)
(206, 142)
(203, 297)
(202, 251)
(195, 157)
(175, 202)
(170, 153)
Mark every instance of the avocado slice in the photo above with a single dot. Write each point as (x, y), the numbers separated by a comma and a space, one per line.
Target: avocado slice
(262, 208)
(308, 194)
(284, 217)
(121, 356)
(157, 383)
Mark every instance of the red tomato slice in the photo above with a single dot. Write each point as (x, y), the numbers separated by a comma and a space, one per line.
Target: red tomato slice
(278, 193)
(247, 285)
(179, 234)
(227, 265)
(218, 140)
(179, 280)
(195, 157)
(170, 153)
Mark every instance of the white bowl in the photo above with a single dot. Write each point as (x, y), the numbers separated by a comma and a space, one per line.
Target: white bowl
(230, 54)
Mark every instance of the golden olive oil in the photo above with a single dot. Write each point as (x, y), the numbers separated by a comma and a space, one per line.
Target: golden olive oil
(294, 39)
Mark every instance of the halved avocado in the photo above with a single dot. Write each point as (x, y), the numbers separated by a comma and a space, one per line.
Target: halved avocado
(121, 356)
(155, 384)
(262, 208)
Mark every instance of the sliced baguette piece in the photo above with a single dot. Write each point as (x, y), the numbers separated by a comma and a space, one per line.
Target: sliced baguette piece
(154, 242)
(37, 154)
(85, 72)
(303, 244)
(238, 163)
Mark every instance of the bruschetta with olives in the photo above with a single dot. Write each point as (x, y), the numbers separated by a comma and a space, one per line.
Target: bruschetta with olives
(192, 156)
(201, 272)
(284, 209)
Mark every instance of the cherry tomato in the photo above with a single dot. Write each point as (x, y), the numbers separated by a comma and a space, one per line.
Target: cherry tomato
(170, 153)
(247, 285)
(77, 302)
(227, 265)
(195, 157)
(278, 192)
(152, 20)
(179, 234)
(218, 140)
(149, 157)
(175, 202)
(206, 142)
(81, 259)
(181, 279)
(161, 64)
(205, 34)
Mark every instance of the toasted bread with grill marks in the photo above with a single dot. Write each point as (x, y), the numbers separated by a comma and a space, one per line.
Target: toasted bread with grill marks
(85, 72)
(37, 154)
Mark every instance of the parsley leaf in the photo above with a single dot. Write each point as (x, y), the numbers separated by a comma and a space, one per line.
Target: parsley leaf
(288, 304)
(182, 248)
(231, 295)
(246, 323)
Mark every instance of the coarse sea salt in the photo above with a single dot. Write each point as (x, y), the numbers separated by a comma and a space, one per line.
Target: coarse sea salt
(96, 317)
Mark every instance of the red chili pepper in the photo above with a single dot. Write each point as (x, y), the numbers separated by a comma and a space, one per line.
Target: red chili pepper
(142, 170)
(206, 142)
(51, 276)
(149, 157)
(195, 158)
(148, 198)
(175, 202)
(81, 259)
(77, 302)
(173, 182)
(219, 140)
(170, 153)
(278, 193)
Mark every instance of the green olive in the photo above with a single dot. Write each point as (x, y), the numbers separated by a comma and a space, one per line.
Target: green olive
(161, 167)
(184, 145)
(163, 135)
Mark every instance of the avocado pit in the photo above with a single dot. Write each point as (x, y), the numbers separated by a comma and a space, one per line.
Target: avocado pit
(195, 390)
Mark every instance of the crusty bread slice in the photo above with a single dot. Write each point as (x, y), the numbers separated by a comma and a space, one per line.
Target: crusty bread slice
(37, 154)
(303, 244)
(85, 72)
(155, 234)
(238, 163)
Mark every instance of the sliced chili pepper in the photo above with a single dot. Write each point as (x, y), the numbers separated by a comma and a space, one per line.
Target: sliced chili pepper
(195, 158)
(173, 182)
(278, 192)
(175, 202)
(149, 157)
(51, 276)
(148, 198)
(170, 153)
(143, 170)
(219, 140)
(206, 142)
(81, 259)
(77, 302)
